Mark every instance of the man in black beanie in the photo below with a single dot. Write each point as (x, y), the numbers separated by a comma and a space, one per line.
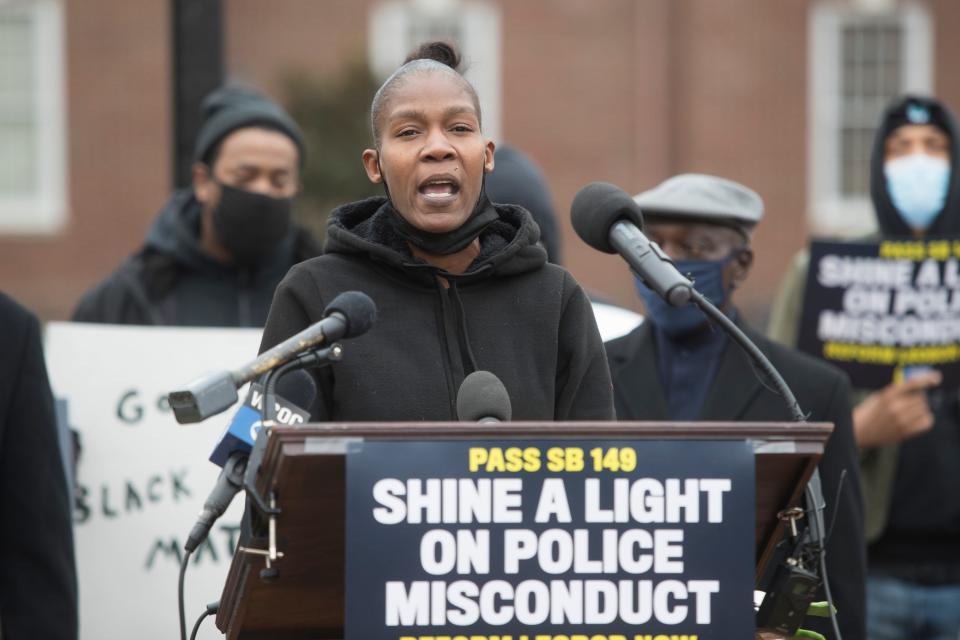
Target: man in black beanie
(218, 248)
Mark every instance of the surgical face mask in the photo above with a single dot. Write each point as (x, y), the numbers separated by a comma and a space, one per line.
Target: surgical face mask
(707, 276)
(250, 225)
(918, 185)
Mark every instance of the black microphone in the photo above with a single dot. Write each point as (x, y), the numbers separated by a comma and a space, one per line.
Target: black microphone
(350, 314)
(229, 483)
(483, 398)
(608, 219)
(295, 391)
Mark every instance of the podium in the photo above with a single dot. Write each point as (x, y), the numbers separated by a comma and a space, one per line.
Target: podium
(305, 467)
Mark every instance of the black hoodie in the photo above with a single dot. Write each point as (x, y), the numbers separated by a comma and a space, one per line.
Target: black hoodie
(923, 525)
(171, 280)
(510, 313)
(947, 223)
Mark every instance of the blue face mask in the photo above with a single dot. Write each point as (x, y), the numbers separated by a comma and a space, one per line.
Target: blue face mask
(707, 276)
(918, 185)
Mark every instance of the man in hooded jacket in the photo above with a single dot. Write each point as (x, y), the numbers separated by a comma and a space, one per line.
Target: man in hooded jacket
(908, 432)
(518, 180)
(217, 250)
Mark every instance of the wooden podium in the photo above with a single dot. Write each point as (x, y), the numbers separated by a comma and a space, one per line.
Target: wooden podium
(306, 468)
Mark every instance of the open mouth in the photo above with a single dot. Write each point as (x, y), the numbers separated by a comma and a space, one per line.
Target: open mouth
(439, 188)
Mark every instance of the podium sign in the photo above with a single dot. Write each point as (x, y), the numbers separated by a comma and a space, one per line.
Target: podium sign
(548, 538)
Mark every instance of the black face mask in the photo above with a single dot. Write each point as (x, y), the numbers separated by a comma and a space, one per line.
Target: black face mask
(444, 244)
(250, 225)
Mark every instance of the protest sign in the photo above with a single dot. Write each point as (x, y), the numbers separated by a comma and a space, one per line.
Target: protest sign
(141, 477)
(543, 540)
(884, 311)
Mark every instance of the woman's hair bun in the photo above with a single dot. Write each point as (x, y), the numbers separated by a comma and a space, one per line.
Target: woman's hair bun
(442, 52)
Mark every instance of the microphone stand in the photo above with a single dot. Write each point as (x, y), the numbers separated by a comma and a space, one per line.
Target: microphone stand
(268, 505)
(813, 492)
(317, 358)
(242, 471)
(751, 349)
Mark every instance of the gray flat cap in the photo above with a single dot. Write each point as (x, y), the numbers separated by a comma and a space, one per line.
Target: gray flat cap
(702, 197)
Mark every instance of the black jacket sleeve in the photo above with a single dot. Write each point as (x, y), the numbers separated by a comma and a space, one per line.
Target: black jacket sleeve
(121, 298)
(38, 591)
(584, 390)
(845, 552)
(288, 311)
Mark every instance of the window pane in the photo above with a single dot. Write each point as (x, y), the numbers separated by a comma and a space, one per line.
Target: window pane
(17, 159)
(18, 126)
(870, 76)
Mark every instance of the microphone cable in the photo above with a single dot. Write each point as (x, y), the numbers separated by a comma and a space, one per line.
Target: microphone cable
(183, 616)
(211, 609)
(816, 531)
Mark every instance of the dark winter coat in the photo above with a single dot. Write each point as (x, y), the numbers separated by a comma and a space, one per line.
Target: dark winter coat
(736, 394)
(38, 584)
(511, 313)
(172, 281)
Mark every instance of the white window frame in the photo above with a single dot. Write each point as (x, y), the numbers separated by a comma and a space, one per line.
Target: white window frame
(829, 212)
(480, 26)
(44, 212)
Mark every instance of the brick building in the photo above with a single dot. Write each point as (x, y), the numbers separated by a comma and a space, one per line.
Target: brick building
(779, 95)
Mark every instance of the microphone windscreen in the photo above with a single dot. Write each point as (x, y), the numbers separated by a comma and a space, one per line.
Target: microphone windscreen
(482, 395)
(359, 310)
(298, 387)
(596, 208)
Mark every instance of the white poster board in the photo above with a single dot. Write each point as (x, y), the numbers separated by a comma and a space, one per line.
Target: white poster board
(142, 477)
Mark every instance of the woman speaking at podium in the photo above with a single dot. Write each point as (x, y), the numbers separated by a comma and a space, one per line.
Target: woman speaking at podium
(460, 283)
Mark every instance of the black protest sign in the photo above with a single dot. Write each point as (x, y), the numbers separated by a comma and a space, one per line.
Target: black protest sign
(884, 311)
(549, 539)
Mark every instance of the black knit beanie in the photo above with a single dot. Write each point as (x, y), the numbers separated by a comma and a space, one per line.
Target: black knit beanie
(233, 107)
(912, 109)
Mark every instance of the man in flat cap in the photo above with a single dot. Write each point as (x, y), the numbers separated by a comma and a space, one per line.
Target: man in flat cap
(678, 366)
(218, 249)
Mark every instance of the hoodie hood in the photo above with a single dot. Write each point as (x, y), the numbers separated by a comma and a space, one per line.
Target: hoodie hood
(517, 180)
(508, 246)
(889, 221)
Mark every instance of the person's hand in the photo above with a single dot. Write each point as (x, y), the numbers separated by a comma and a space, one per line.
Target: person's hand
(895, 413)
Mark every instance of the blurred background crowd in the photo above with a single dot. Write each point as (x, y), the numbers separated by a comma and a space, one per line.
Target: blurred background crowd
(99, 106)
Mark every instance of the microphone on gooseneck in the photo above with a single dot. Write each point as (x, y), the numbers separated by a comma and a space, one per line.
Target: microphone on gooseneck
(294, 391)
(350, 314)
(608, 219)
(483, 398)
